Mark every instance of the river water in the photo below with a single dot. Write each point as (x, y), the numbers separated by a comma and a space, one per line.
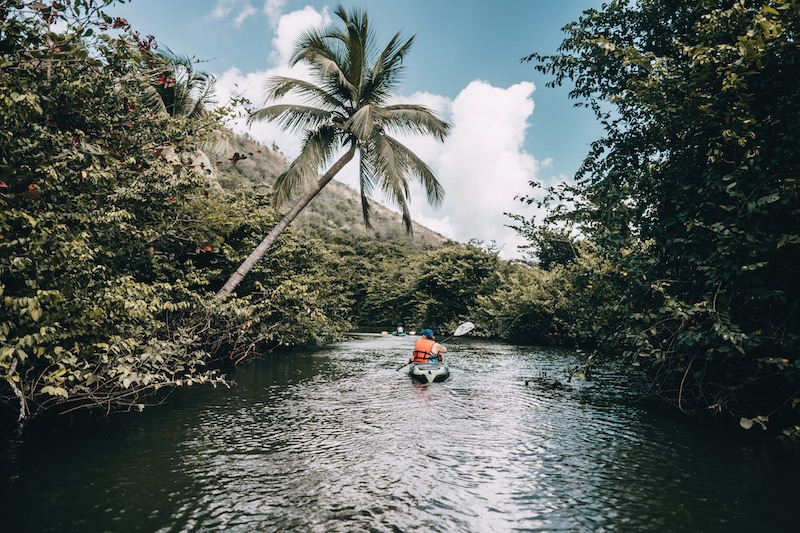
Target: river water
(337, 439)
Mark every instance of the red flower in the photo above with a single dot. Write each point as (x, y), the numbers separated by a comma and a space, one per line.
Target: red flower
(165, 81)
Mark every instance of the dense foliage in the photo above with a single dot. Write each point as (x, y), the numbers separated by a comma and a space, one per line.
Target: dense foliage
(391, 283)
(112, 236)
(691, 197)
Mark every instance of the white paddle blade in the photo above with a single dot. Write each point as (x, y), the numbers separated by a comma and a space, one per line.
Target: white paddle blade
(466, 327)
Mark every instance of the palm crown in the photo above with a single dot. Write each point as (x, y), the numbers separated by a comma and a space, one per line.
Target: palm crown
(177, 88)
(348, 106)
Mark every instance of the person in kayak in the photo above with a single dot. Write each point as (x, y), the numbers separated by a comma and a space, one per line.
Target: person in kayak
(427, 349)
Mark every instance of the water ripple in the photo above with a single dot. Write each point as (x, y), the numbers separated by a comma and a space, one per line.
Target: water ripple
(338, 440)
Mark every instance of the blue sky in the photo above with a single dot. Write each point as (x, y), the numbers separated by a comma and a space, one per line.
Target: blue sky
(508, 128)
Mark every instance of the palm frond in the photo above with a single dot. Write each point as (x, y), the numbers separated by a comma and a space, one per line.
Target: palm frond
(367, 183)
(363, 122)
(191, 90)
(386, 73)
(357, 49)
(292, 117)
(328, 65)
(414, 167)
(389, 174)
(279, 86)
(415, 119)
(151, 99)
(318, 147)
(205, 96)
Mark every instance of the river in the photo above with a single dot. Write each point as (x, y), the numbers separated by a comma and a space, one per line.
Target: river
(336, 439)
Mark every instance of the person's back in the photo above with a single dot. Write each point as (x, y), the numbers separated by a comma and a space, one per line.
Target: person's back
(427, 349)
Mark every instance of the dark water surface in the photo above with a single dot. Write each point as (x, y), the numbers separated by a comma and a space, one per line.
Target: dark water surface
(338, 440)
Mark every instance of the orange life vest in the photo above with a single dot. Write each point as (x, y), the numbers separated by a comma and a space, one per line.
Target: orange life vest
(422, 351)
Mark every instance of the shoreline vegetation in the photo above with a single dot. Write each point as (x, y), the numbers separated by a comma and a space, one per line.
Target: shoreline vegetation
(125, 204)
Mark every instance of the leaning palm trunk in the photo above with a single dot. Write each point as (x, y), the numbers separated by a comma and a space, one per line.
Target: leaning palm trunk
(256, 255)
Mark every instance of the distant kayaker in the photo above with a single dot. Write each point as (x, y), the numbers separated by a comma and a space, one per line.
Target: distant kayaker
(400, 330)
(427, 349)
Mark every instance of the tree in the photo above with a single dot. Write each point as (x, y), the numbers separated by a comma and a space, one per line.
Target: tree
(348, 109)
(450, 281)
(694, 188)
(93, 220)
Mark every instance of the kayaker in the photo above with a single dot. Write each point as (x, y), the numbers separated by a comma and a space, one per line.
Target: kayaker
(427, 349)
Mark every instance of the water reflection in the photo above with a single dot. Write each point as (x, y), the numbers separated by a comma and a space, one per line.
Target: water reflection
(338, 440)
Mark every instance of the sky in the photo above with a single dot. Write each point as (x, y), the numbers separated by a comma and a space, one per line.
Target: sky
(508, 128)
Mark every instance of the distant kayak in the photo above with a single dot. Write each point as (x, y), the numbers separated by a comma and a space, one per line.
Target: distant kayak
(398, 334)
(429, 372)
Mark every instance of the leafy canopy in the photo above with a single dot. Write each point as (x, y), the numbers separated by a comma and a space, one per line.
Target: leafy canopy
(694, 190)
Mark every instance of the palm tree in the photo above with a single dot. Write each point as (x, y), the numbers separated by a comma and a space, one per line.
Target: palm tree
(347, 108)
(177, 88)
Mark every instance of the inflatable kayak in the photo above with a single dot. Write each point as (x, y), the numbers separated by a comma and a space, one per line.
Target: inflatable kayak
(428, 372)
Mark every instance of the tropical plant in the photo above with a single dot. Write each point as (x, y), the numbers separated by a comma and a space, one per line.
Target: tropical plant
(349, 108)
(108, 246)
(176, 88)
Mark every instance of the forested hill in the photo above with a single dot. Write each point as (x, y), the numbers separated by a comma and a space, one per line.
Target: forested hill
(238, 161)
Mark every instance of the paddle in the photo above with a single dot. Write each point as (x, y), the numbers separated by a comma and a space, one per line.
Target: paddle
(463, 329)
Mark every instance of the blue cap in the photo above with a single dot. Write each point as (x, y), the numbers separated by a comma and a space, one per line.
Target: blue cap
(426, 332)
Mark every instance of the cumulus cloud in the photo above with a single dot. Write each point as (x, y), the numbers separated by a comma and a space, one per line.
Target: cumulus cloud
(246, 12)
(289, 29)
(482, 164)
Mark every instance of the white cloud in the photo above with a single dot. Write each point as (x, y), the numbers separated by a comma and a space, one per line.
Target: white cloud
(482, 164)
(246, 12)
(289, 29)
(273, 9)
(224, 8)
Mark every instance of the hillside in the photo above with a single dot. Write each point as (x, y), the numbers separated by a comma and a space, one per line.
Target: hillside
(336, 208)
